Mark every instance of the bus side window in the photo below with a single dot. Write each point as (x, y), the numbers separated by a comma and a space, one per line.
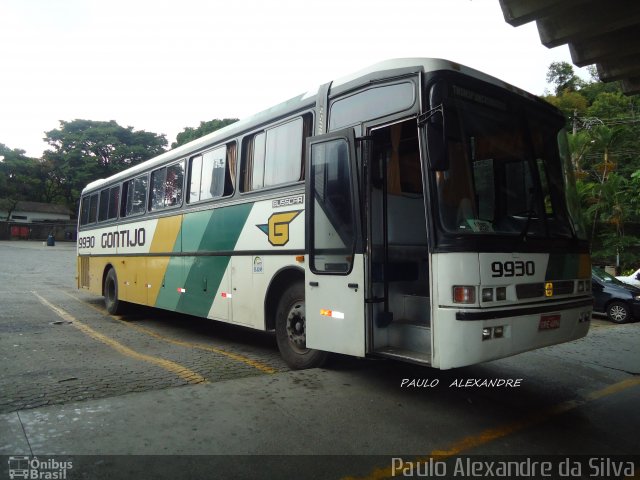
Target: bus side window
(211, 174)
(134, 193)
(84, 210)
(166, 187)
(93, 209)
(274, 156)
(109, 201)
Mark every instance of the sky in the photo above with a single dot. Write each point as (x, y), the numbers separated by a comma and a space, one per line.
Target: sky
(161, 66)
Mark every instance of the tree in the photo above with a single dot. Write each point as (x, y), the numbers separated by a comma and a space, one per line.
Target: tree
(605, 151)
(561, 74)
(189, 134)
(21, 178)
(86, 150)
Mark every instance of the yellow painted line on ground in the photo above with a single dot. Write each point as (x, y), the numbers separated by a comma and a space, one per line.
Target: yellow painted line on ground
(181, 371)
(492, 434)
(200, 346)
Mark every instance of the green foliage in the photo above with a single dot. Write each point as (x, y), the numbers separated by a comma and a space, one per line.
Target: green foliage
(605, 151)
(569, 103)
(82, 151)
(189, 134)
(21, 178)
(561, 74)
(86, 150)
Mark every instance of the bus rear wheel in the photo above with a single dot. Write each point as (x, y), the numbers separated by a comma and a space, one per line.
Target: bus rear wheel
(291, 331)
(110, 290)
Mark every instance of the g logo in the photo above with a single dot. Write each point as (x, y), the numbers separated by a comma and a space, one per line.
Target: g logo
(277, 228)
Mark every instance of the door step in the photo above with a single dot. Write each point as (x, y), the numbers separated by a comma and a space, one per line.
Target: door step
(421, 358)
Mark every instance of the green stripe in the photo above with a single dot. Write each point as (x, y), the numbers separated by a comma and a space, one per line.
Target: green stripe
(211, 230)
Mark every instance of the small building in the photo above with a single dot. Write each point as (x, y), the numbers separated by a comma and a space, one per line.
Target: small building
(36, 212)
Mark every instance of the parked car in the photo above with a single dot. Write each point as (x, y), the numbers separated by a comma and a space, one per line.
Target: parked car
(633, 279)
(619, 300)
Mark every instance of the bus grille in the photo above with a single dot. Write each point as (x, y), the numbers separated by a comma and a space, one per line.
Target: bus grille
(534, 290)
(84, 272)
(530, 290)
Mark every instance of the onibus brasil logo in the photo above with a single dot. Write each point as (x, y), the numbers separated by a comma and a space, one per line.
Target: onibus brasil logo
(277, 227)
(33, 468)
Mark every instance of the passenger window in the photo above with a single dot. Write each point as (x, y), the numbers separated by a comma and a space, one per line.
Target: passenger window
(274, 157)
(109, 201)
(89, 209)
(135, 193)
(166, 187)
(211, 174)
(93, 208)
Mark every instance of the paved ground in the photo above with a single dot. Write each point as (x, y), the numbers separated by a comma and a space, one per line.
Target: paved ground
(215, 401)
(53, 361)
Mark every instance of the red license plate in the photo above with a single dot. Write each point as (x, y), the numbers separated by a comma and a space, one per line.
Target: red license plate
(549, 322)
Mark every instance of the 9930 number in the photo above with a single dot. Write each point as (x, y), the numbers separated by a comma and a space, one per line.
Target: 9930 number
(518, 268)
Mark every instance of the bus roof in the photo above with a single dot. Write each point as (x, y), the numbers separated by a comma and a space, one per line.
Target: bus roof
(375, 72)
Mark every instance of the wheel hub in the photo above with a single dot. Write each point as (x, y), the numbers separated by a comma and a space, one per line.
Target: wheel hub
(296, 328)
(618, 313)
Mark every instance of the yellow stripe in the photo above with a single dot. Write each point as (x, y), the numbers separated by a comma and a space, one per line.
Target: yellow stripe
(166, 233)
(491, 434)
(201, 346)
(181, 371)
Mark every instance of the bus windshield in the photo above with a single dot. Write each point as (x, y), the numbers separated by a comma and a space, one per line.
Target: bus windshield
(505, 175)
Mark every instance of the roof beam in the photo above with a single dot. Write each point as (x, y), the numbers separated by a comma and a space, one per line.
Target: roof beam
(519, 12)
(628, 66)
(594, 18)
(606, 46)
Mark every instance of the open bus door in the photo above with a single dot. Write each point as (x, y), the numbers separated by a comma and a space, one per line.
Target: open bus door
(334, 267)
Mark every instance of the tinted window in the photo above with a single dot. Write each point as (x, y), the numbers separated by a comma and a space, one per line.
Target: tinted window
(93, 209)
(84, 210)
(109, 201)
(372, 103)
(104, 205)
(333, 237)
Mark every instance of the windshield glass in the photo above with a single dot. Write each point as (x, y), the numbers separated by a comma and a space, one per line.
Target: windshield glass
(604, 277)
(505, 174)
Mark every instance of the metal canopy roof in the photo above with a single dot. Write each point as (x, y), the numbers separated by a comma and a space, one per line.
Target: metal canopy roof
(604, 32)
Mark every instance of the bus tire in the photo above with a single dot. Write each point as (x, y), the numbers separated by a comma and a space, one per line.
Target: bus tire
(291, 332)
(110, 290)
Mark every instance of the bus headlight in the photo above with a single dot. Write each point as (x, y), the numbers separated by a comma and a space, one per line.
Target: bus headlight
(487, 294)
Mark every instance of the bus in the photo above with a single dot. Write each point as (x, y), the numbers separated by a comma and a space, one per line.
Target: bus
(418, 210)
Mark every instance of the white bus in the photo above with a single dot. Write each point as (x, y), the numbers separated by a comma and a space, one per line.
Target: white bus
(417, 209)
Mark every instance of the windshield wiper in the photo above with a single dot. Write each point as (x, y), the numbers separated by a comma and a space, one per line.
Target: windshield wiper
(530, 214)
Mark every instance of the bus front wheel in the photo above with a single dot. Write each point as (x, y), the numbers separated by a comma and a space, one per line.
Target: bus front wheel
(111, 300)
(291, 331)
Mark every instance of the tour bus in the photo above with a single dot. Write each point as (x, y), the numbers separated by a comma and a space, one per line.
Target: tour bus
(418, 210)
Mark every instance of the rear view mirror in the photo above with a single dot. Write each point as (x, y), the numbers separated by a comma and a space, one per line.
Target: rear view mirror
(435, 130)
